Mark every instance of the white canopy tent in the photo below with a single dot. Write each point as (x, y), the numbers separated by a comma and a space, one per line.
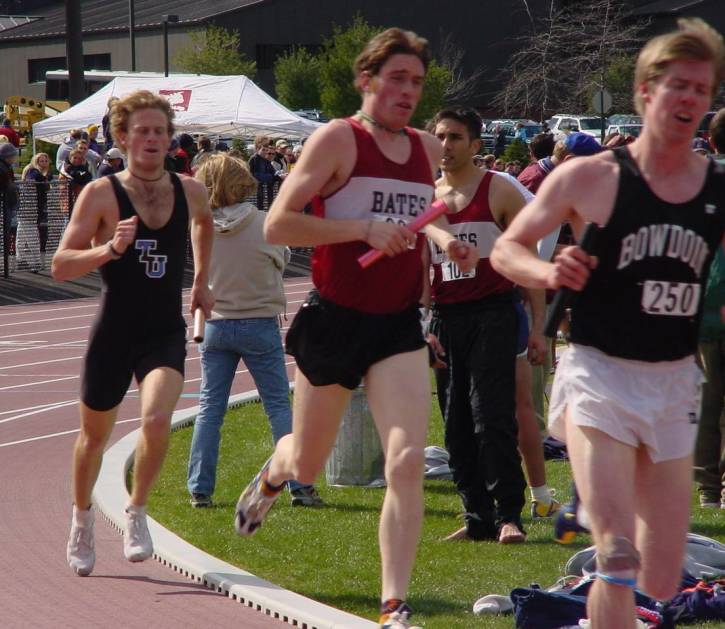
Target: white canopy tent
(226, 106)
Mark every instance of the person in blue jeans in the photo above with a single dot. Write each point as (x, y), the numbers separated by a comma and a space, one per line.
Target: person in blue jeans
(246, 278)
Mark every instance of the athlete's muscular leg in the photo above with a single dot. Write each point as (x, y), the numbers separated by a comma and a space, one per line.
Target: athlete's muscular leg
(96, 427)
(160, 390)
(316, 417)
(530, 446)
(604, 471)
(662, 522)
(399, 395)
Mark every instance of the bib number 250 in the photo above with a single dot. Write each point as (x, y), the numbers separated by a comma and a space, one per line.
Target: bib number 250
(675, 299)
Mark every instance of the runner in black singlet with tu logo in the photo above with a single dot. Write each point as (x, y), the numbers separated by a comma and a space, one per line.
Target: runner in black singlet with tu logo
(133, 227)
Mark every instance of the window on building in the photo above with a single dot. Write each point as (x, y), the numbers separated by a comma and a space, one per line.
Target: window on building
(38, 67)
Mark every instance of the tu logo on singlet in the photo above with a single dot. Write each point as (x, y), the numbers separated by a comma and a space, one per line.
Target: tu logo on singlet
(155, 264)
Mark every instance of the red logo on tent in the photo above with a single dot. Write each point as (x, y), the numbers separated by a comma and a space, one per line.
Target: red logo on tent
(179, 99)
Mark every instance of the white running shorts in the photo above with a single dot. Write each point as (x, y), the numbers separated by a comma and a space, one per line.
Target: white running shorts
(632, 401)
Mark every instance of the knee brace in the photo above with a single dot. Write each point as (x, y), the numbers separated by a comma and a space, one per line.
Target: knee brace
(618, 562)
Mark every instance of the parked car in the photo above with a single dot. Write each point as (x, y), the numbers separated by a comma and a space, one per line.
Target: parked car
(312, 114)
(509, 127)
(625, 129)
(591, 125)
(624, 119)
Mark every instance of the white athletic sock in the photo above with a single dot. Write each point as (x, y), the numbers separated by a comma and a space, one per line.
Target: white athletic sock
(541, 494)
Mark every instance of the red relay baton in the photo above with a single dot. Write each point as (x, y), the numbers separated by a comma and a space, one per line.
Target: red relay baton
(436, 209)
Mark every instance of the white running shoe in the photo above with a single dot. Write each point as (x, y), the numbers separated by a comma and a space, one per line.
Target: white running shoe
(137, 544)
(80, 552)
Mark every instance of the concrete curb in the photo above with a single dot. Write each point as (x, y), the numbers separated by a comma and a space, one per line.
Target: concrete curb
(110, 497)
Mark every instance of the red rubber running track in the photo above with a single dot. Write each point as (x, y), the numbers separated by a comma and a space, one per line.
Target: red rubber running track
(41, 349)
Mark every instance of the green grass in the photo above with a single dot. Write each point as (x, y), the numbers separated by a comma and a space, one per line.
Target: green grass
(330, 553)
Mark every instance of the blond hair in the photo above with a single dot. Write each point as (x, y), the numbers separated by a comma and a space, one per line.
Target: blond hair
(393, 41)
(122, 109)
(694, 40)
(227, 179)
(34, 164)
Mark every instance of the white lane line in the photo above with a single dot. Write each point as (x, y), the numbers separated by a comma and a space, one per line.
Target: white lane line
(55, 434)
(32, 375)
(33, 384)
(12, 336)
(58, 434)
(65, 345)
(70, 377)
(32, 408)
(70, 402)
(41, 362)
(12, 313)
(33, 322)
(47, 407)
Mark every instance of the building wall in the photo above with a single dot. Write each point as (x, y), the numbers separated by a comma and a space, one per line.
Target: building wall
(149, 57)
(484, 30)
(481, 29)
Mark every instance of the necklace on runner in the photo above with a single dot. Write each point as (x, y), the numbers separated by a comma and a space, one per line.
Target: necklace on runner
(150, 194)
(379, 125)
(133, 174)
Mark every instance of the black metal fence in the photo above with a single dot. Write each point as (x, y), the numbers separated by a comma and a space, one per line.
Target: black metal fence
(33, 221)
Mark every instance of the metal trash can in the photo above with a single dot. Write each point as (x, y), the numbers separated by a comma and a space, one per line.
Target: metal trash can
(357, 456)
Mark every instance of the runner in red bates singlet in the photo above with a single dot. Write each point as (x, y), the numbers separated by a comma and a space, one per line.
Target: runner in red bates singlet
(475, 329)
(379, 190)
(369, 176)
(474, 224)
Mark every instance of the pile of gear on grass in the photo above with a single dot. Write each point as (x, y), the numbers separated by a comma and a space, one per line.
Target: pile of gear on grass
(701, 595)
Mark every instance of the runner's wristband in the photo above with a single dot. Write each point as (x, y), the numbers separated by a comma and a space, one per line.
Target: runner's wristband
(115, 255)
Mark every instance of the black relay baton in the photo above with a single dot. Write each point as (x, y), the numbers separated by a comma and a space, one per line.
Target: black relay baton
(565, 295)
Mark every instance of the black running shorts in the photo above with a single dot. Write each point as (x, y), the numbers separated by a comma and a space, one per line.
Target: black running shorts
(113, 359)
(337, 345)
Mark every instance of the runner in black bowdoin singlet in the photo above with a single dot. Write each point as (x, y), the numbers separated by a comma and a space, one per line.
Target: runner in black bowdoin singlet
(625, 393)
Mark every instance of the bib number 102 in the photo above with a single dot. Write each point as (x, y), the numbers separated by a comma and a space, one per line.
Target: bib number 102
(675, 299)
(451, 272)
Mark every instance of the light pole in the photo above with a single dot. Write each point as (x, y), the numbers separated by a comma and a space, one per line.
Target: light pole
(132, 33)
(74, 51)
(165, 24)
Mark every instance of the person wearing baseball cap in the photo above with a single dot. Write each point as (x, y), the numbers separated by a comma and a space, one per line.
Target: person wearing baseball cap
(281, 161)
(112, 162)
(581, 144)
(93, 143)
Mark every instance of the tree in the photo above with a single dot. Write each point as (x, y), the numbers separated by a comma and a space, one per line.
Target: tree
(214, 50)
(618, 81)
(240, 145)
(564, 55)
(517, 151)
(297, 79)
(437, 85)
(339, 97)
